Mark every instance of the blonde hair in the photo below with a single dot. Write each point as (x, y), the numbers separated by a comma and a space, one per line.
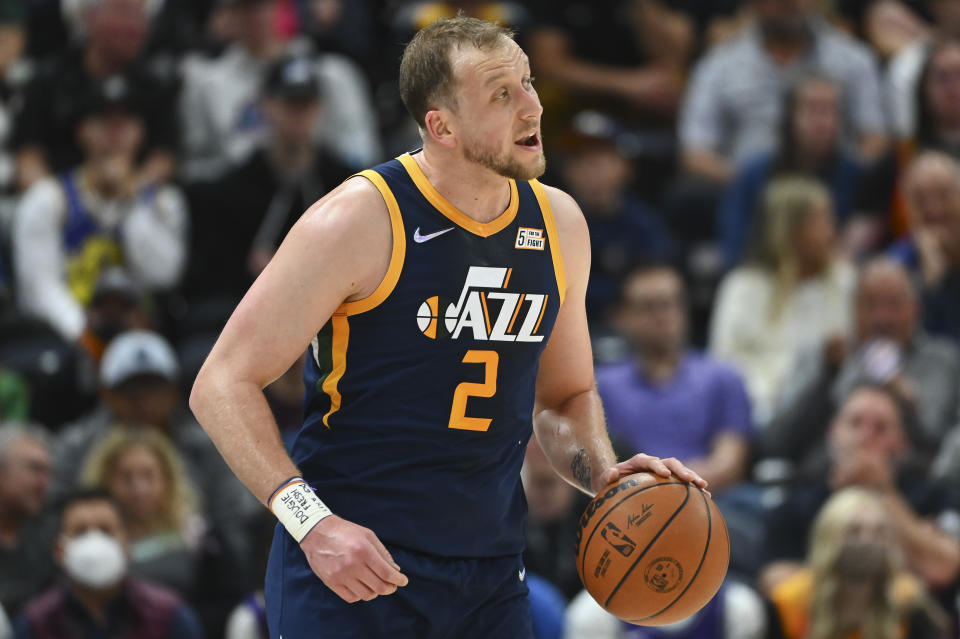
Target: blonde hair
(180, 501)
(787, 202)
(881, 617)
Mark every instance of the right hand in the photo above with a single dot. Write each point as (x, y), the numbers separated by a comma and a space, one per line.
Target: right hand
(351, 561)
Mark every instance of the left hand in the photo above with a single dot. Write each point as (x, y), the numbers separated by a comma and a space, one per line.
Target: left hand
(647, 463)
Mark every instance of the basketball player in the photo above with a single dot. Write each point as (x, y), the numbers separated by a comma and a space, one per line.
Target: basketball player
(442, 295)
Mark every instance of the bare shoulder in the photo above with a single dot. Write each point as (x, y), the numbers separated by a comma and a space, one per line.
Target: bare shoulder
(354, 205)
(574, 234)
(566, 211)
(344, 239)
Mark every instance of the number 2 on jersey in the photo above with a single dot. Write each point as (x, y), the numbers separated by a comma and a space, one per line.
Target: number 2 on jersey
(458, 417)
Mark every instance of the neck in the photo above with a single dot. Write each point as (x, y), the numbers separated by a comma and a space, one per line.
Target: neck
(855, 596)
(140, 528)
(784, 47)
(476, 191)
(290, 159)
(95, 601)
(810, 270)
(10, 523)
(812, 161)
(107, 179)
(661, 365)
(98, 64)
(266, 49)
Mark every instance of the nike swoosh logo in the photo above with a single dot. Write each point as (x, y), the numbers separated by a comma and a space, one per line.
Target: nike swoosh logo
(420, 239)
(523, 573)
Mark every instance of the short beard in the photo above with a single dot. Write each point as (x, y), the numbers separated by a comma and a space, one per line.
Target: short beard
(504, 166)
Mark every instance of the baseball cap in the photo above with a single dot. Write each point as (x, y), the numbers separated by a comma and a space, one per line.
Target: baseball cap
(115, 281)
(111, 93)
(137, 353)
(292, 78)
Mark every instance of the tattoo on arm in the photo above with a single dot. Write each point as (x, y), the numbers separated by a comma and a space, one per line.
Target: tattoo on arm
(581, 469)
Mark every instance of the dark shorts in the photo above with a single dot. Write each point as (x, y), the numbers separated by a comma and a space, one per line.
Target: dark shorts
(446, 599)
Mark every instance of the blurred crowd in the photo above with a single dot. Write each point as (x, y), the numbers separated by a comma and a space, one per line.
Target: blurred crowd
(773, 194)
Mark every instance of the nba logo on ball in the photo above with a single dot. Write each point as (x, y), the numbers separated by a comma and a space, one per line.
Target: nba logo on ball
(652, 550)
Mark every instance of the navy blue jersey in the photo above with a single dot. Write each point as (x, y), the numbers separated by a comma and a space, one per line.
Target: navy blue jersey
(419, 398)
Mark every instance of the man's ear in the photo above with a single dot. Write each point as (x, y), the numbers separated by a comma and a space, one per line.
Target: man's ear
(438, 127)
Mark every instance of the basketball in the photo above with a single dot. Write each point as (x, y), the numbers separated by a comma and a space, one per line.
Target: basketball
(652, 550)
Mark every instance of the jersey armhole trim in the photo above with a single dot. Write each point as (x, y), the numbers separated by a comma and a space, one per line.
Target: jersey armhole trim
(547, 211)
(397, 254)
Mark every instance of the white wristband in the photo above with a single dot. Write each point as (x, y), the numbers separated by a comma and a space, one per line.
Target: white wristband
(297, 507)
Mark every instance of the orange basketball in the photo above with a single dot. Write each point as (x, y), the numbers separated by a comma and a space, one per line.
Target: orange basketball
(652, 550)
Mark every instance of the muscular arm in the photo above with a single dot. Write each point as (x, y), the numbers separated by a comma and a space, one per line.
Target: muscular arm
(325, 260)
(568, 416)
(338, 251)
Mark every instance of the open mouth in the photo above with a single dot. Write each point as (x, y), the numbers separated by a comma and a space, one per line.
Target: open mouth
(531, 141)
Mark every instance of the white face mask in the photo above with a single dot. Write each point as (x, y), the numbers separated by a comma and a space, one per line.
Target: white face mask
(94, 559)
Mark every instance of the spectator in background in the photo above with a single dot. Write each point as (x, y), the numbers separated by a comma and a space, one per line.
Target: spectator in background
(794, 294)
(71, 227)
(905, 69)
(140, 469)
(14, 396)
(870, 447)
(118, 305)
(667, 399)
(240, 219)
(624, 57)
(937, 128)
(932, 251)
(138, 385)
(26, 530)
(937, 99)
(113, 36)
(888, 26)
(809, 143)
(97, 598)
(888, 346)
(734, 98)
(285, 398)
(248, 620)
(623, 229)
(735, 612)
(13, 75)
(219, 106)
(854, 580)
(554, 509)
(342, 26)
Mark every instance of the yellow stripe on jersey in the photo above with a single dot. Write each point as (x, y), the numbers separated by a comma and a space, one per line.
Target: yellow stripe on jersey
(397, 255)
(455, 215)
(549, 222)
(542, 309)
(341, 337)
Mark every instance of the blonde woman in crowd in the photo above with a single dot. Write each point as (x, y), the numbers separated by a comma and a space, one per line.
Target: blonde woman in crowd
(854, 584)
(142, 471)
(793, 295)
